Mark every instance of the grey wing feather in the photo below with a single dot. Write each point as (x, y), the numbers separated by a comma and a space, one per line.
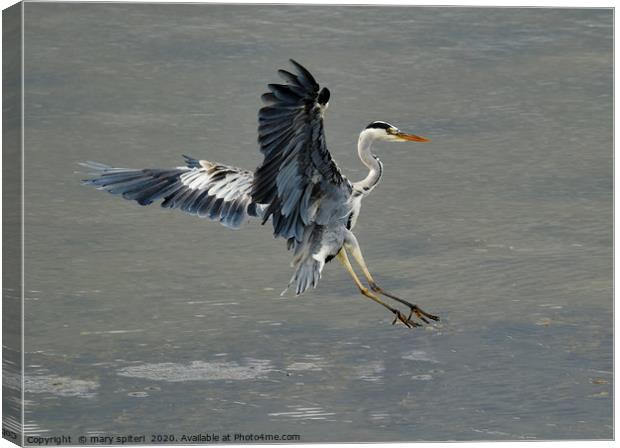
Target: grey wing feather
(298, 179)
(306, 195)
(209, 190)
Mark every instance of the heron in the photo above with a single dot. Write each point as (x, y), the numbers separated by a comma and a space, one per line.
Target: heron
(298, 187)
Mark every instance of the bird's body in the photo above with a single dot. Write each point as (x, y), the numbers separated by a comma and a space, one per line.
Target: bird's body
(298, 187)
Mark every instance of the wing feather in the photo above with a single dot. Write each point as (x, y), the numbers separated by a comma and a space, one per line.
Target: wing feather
(304, 192)
(297, 169)
(201, 188)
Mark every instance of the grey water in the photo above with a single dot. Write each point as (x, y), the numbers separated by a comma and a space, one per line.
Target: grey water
(143, 321)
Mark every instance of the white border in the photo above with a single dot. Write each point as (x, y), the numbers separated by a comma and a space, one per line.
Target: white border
(478, 3)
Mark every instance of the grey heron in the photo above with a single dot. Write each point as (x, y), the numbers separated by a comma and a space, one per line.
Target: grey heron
(298, 187)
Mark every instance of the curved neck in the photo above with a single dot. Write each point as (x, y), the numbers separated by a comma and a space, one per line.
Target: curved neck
(371, 161)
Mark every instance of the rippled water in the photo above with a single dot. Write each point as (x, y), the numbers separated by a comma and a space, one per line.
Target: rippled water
(143, 320)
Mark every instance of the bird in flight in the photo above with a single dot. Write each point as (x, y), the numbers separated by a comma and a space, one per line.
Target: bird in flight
(298, 187)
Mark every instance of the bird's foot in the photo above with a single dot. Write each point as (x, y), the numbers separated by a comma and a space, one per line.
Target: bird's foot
(414, 309)
(406, 321)
(421, 314)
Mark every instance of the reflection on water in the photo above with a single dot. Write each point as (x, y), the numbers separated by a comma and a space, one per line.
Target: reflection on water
(198, 370)
(144, 320)
(419, 355)
(302, 413)
(61, 386)
(370, 371)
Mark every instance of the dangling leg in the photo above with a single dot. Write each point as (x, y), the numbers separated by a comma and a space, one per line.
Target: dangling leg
(344, 260)
(353, 246)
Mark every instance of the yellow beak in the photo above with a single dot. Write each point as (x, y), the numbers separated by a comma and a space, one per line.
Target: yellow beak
(411, 137)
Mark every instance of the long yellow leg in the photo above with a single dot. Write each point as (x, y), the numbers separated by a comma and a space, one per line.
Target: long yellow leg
(356, 252)
(344, 260)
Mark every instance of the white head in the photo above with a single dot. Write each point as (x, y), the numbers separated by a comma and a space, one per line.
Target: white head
(382, 131)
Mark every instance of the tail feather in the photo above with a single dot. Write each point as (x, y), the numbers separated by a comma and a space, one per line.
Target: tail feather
(307, 274)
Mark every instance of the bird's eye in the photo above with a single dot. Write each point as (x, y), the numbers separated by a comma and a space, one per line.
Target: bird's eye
(391, 131)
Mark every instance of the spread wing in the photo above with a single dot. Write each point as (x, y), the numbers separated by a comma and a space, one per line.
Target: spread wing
(298, 179)
(209, 190)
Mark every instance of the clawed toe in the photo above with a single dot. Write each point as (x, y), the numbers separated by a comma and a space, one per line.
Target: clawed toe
(414, 309)
(422, 315)
(425, 314)
(418, 315)
(400, 317)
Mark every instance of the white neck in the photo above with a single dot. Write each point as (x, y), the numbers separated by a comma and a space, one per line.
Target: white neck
(375, 166)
